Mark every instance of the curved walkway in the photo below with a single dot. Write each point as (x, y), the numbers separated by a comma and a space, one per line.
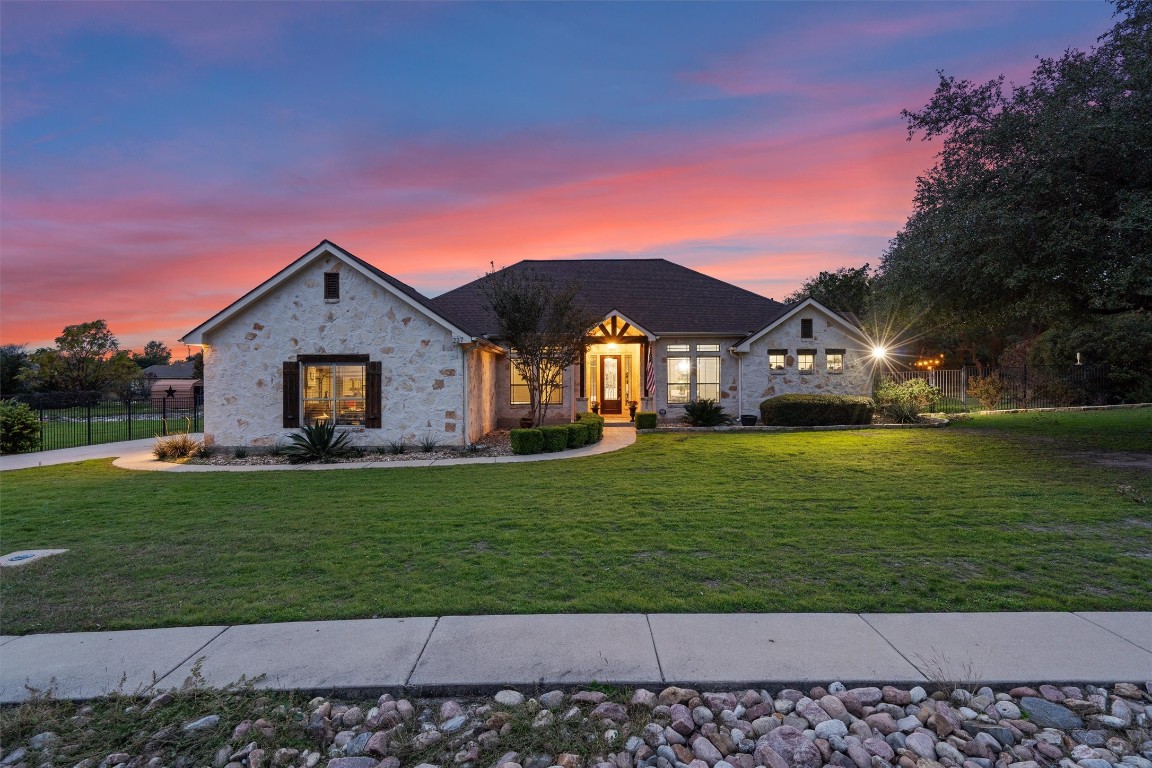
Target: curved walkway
(137, 454)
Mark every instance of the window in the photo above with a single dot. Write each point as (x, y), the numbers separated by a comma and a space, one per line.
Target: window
(806, 360)
(776, 358)
(835, 360)
(708, 378)
(335, 393)
(519, 392)
(678, 347)
(331, 286)
(806, 328)
(707, 347)
(679, 379)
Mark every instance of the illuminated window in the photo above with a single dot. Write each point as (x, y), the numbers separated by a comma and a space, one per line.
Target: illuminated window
(835, 360)
(334, 393)
(708, 378)
(806, 360)
(707, 347)
(679, 379)
(806, 328)
(776, 358)
(678, 347)
(520, 393)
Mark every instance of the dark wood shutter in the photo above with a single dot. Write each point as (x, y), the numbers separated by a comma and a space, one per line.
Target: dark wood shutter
(372, 404)
(291, 394)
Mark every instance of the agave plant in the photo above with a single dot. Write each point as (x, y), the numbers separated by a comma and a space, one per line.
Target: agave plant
(317, 442)
(705, 412)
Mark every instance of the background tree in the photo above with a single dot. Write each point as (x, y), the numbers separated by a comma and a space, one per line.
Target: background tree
(155, 353)
(197, 361)
(847, 289)
(13, 361)
(87, 358)
(545, 325)
(1039, 206)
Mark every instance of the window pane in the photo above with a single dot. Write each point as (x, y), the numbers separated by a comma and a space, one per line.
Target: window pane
(349, 399)
(707, 347)
(835, 362)
(518, 390)
(335, 393)
(677, 347)
(679, 378)
(806, 362)
(708, 378)
(776, 359)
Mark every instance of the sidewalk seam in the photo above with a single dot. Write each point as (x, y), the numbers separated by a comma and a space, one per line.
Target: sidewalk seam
(189, 657)
(655, 651)
(408, 678)
(880, 634)
(1130, 642)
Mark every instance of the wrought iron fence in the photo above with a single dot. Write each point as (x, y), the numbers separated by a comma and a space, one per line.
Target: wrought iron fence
(72, 419)
(971, 389)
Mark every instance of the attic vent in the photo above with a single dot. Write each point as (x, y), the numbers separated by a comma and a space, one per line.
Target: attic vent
(331, 286)
(806, 328)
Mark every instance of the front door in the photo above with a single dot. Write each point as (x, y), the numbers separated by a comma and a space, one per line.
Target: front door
(610, 400)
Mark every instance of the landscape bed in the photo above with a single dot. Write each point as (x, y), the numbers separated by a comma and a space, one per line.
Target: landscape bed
(1012, 512)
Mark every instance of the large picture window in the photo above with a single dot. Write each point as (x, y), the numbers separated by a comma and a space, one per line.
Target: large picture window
(708, 378)
(335, 393)
(519, 394)
(679, 379)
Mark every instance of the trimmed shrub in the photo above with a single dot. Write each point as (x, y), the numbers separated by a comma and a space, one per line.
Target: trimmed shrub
(905, 402)
(595, 424)
(555, 438)
(646, 420)
(526, 441)
(816, 410)
(705, 413)
(19, 428)
(577, 435)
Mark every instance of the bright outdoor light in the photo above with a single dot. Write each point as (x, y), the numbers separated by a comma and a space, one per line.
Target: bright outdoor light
(879, 353)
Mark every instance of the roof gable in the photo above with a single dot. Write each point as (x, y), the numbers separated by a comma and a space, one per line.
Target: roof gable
(791, 311)
(656, 294)
(326, 247)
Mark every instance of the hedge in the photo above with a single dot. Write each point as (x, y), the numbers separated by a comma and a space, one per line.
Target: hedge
(646, 420)
(595, 424)
(577, 434)
(19, 428)
(527, 441)
(555, 437)
(816, 410)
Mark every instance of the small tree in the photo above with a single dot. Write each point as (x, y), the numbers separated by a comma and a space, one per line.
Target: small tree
(545, 325)
(87, 358)
(13, 361)
(155, 353)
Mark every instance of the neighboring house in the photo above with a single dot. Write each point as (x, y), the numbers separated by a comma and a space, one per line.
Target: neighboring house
(174, 381)
(332, 337)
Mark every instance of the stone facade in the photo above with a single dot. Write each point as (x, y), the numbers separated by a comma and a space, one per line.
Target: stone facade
(482, 389)
(422, 376)
(828, 332)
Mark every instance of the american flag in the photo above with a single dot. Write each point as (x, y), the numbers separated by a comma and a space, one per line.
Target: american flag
(649, 374)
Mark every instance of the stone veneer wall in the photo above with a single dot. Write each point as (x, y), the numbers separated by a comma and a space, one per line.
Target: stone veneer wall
(422, 367)
(760, 383)
(729, 373)
(481, 393)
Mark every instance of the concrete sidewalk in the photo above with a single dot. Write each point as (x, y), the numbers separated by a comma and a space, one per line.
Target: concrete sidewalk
(137, 454)
(474, 654)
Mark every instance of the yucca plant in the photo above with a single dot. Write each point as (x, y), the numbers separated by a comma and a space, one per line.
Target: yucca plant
(317, 442)
(705, 412)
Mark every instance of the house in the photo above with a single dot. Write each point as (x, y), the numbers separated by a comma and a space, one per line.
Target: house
(330, 337)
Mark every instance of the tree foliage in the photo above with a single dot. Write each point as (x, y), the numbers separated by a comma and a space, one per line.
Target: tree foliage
(847, 289)
(87, 358)
(1039, 206)
(155, 353)
(545, 325)
(13, 361)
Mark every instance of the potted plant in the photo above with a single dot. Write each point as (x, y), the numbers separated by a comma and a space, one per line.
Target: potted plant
(527, 422)
(748, 420)
(632, 406)
(595, 407)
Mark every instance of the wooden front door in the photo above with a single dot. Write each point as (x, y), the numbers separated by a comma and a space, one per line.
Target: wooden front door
(610, 398)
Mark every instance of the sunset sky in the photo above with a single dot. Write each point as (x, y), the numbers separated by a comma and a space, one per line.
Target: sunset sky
(158, 160)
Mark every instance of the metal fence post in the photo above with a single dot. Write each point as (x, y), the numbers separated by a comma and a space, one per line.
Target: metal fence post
(164, 417)
(41, 408)
(89, 405)
(129, 403)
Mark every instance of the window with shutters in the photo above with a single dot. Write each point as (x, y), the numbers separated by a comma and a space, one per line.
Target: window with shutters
(806, 328)
(331, 286)
(335, 393)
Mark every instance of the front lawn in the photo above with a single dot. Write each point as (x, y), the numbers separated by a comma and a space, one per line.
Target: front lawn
(985, 515)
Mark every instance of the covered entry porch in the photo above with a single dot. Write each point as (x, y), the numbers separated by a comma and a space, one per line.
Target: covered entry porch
(615, 377)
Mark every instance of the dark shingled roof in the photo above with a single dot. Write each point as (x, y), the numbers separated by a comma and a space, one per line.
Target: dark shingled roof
(660, 296)
(185, 369)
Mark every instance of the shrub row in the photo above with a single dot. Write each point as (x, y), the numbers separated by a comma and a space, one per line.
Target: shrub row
(587, 429)
(646, 420)
(816, 410)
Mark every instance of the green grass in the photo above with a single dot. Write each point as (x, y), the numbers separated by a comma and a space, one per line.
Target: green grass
(999, 513)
